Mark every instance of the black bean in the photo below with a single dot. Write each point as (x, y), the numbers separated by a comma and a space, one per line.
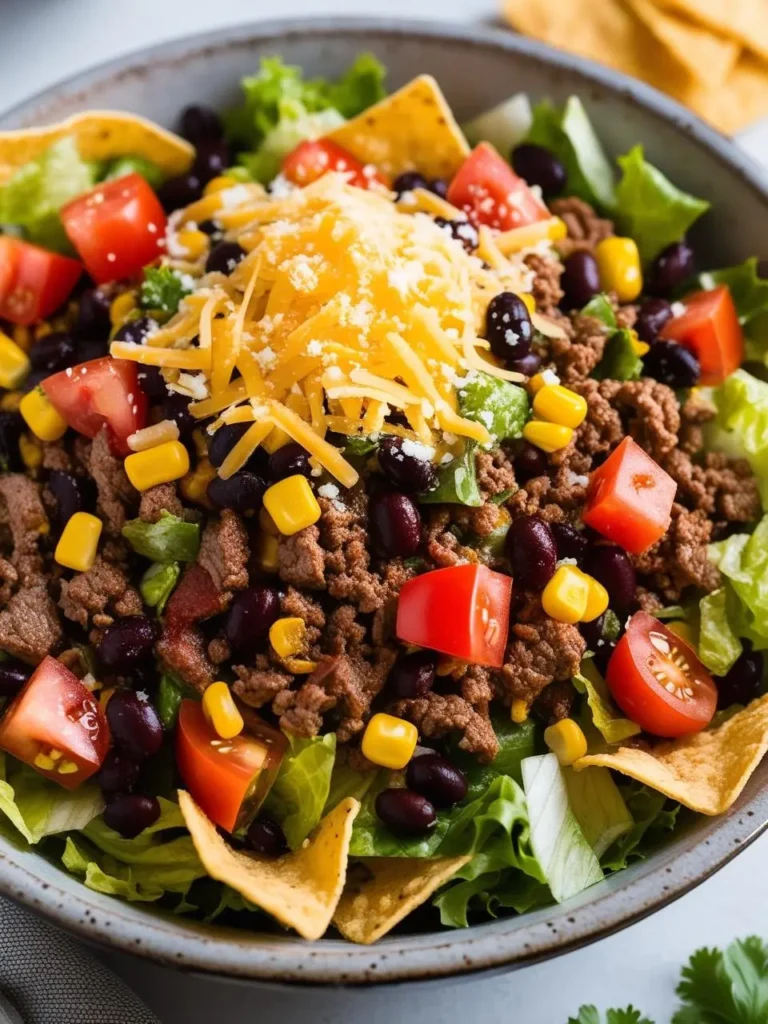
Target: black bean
(152, 383)
(408, 181)
(528, 365)
(11, 425)
(671, 268)
(462, 230)
(672, 364)
(539, 167)
(71, 494)
(119, 773)
(529, 462)
(580, 280)
(87, 351)
(129, 813)
(611, 566)
(242, 492)
(32, 380)
(53, 352)
(652, 316)
(13, 675)
(412, 675)
(224, 257)
(743, 681)
(395, 524)
(212, 160)
(437, 779)
(531, 549)
(134, 724)
(224, 440)
(402, 464)
(200, 124)
(127, 641)
(404, 812)
(571, 543)
(93, 323)
(176, 408)
(265, 836)
(210, 228)
(290, 460)
(135, 331)
(177, 193)
(508, 326)
(593, 632)
(440, 187)
(250, 615)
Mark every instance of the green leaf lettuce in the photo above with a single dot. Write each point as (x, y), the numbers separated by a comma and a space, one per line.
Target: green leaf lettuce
(300, 790)
(170, 539)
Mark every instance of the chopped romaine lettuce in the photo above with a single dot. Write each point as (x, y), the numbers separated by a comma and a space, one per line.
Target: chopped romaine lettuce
(456, 482)
(601, 309)
(599, 807)
(742, 413)
(38, 807)
(371, 838)
(170, 693)
(135, 165)
(346, 781)
(302, 785)
(649, 208)
(264, 164)
(743, 559)
(620, 361)
(170, 539)
(719, 646)
(161, 291)
(653, 815)
(606, 717)
(157, 584)
(503, 125)
(501, 407)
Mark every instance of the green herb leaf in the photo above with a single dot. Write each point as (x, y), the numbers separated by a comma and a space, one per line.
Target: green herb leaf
(162, 290)
(501, 407)
(359, 446)
(135, 165)
(300, 790)
(170, 539)
(456, 482)
(591, 1015)
(157, 584)
(725, 988)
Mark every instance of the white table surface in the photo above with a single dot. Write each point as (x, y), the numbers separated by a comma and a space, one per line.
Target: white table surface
(41, 41)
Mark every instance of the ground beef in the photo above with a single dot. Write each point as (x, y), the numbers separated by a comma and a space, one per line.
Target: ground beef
(219, 650)
(555, 702)
(541, 651)
(9, 577)
(478, 522)
(28, 522)
(182, 646)
(115, 491)
(650, 411)
(29, 625)
(577, 354)
(721, 487)
(626, 316)
(533, 499)
(442, 546)
(585, 228)
(183, 651)
(495, 472)
(259, 684)
(679, 559)
(295, 604)
(101, 594)
(545, 288)
(56, 456)
(74, 659)
(159, 499)
(695, 411)
(437, 715)
(301, 560)
(224, 552)
(602, 429)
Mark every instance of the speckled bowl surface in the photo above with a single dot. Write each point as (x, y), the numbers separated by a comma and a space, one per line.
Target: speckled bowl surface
(476, 69)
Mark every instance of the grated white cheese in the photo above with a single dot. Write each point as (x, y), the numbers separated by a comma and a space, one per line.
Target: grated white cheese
(328, 491)
(417, 450)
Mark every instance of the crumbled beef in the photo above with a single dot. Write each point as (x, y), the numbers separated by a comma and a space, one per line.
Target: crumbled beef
(28, 522)
(679, 559)
(443, 547)
(545, 287)
(295, 604)
(260, 683)
(182, 646)
(651, 410)
(159, 499)
(495, 472)
(577, 354)
(585, 228)
(437, 715)
(56, 456)
(224, 552)
(301, 711)
(626, 316)
(74, 659)
(29, 625)
(301, 560)
(540, 651)
(478, 522)
(219, 650)
(555, 702)
(568, 487)
(648, 601)
(533, 499)
(695, 410)
(116, 494)
(721, 487)
(602, 429)
(101, 594)
(9, 577)
(182, 650)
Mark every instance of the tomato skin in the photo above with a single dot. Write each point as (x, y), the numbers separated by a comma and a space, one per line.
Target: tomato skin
(710, 328)
(220, 782)
(55, 710)
(487, 189)
(462, 611)
(33, 281)
(630, 498)
(117, 228)
(101, 392)
(643, 697)
(314, 158)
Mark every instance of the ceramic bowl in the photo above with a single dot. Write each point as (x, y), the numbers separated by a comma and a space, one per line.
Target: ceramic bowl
(476, 68)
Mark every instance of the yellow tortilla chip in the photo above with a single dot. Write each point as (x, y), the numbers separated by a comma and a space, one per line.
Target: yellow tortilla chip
(100, 135)
(741, 100)
(382, 891)
(706, 771)
(743, 20)
(411, 129)
(301, 889)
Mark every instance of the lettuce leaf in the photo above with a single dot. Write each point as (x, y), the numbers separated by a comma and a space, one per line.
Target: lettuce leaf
(503, 126)
(157, 584)
(516, 742)
(742, 413)
(171, 691)
(606, 717)
(302, 785)
(170, 539)
(38, 807)
(123, 165)
(501, 407)
(346, 781)
(719, 645)
(456, 482)
(601, 309)
(743, 559)
(161, 291)
(599, 807)
(649, 208)
(620, 361)
(653, 815)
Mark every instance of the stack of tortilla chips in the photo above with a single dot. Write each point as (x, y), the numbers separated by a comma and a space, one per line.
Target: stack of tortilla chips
(711, 55)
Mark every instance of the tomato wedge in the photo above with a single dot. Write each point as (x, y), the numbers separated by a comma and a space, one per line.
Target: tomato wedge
(33, 281)
(229, 779)
(489, 192)
(658, 681)
(710, 328)
(101, 392)
(630, 498)
(314, 158)
(117, 228)
(462, 611)
(55, 726)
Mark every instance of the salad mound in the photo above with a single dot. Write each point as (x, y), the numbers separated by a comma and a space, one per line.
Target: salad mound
(382, 506)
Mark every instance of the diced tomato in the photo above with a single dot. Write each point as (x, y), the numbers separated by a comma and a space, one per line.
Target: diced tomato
(489, 192)
(462, 611)
(33, 281)
(710, 328)
(117, 228)
(229, 779)
(314, 158)
(102, 391)
(630, 498)
(55, 717)
(658, 681)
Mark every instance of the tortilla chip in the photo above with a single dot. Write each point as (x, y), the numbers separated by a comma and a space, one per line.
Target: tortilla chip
(739, 101)
(381, 891)
(301, 889)
(743, 20)
(706, 771)
(101, 135)
(411, 129)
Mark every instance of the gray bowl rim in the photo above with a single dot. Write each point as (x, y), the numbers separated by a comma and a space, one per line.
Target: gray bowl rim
(489, 948)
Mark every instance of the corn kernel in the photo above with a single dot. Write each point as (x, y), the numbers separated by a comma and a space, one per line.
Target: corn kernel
(288, 636)
(194, 243)
(597, 599)
(447, 665)
(640, 348)
(268, 553)
(79, 542)
(566, 595)
(14, 363)
(66, 768)
(105, 696)
(267, 523)
(31, 451)
(22, 335)
(683, 630)
(194, 486)
(560, 405)
(389, 741)
(159, 465)
(120, 308)
(41, 417)
(618, 261)
(218, 184)
(567, 740)
(300, 666)
(44, 762)
(528, 301)
(518, 711)
(200, 443)
(550, 437)
(11, 401)
(292, 504)
(42, 331)
(221, 711)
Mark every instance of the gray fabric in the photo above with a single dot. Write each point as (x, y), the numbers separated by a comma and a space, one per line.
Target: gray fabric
(51, 979)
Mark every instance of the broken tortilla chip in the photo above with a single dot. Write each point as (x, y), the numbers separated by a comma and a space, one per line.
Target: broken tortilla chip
(743, 20)
(705, 771)
(412, 128)
(301, 889)
(381, 891)
(100, 135)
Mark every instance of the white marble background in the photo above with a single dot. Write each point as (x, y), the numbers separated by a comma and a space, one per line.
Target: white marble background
(41, 41)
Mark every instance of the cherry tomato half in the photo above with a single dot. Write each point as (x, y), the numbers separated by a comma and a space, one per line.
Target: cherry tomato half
(710, 328)
(658, 681)
(489, 192)
(33, 281)
(314, 158)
